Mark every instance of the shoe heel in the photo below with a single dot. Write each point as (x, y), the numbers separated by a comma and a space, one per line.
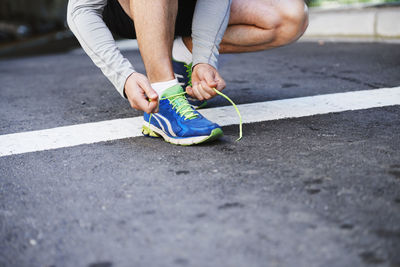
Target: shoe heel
(146, 131)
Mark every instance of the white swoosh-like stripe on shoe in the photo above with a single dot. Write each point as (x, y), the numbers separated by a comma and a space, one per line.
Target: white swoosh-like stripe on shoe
(171, 132)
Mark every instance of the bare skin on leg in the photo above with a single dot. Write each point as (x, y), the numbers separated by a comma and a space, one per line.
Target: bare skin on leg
(257, 25)
(155, 35)
(254, 25)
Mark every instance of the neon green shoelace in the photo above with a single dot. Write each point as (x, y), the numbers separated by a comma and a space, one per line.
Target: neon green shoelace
(183, 108)
(181, 105)
(237, 111)
(189, 74)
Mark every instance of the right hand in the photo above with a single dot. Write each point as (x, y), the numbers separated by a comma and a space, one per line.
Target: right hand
(204, 78)
(139, 92)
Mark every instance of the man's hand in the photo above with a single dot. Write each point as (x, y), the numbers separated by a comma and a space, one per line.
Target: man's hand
(139, 92)
(204, 78)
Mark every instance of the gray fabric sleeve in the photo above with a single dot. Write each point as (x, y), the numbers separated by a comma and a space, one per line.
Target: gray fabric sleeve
(84, 18)
(210, 20)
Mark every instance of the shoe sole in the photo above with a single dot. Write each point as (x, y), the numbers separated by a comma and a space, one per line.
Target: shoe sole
(155, 132)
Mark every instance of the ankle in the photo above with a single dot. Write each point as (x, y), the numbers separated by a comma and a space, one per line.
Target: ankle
(160, 87)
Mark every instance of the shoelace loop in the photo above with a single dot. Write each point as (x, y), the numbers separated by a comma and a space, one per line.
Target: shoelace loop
(189, 75)
(237, 111)
(184, 108)
(183, 112)
(181, 105)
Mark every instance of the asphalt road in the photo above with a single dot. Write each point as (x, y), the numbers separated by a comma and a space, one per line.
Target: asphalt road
(315, 191)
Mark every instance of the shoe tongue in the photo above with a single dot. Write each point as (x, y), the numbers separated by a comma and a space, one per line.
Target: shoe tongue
(174, 90)
(175, 95)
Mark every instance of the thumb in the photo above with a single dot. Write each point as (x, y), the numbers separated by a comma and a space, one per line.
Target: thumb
(221, 82)
(189, 90)
(148, 90)
(210, 79)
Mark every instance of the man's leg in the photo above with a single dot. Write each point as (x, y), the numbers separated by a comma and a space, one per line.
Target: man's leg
(155, 25)
(177, 122)
(256, 25)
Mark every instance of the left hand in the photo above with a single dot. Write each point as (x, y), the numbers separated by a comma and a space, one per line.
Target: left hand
(204, 78)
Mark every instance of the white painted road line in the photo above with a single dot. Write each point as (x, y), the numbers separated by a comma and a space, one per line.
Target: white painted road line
(68, 136)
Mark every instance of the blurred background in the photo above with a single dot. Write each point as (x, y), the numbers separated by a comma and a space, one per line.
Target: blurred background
(336, 3)
(20, 19)
(30, 23)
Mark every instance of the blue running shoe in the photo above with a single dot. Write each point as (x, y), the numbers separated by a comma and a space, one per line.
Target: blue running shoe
(183, 73)
(178, 122)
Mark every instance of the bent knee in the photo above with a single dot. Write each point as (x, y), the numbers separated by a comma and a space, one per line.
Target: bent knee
(293, 21)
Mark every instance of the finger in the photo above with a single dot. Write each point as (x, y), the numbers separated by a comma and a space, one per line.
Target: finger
(153, 106)
(133, 105)
(210, 79)
(189, 91)
(196, 91)
(145, 105)
(207, 88)
(221, 83)
(206, 91)
(148, 90)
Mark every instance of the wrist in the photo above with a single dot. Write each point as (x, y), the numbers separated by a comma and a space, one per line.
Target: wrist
(126, 84)
(204, 65)
(210, 60)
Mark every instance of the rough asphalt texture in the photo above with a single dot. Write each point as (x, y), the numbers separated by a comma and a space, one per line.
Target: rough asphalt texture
(315, 191)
